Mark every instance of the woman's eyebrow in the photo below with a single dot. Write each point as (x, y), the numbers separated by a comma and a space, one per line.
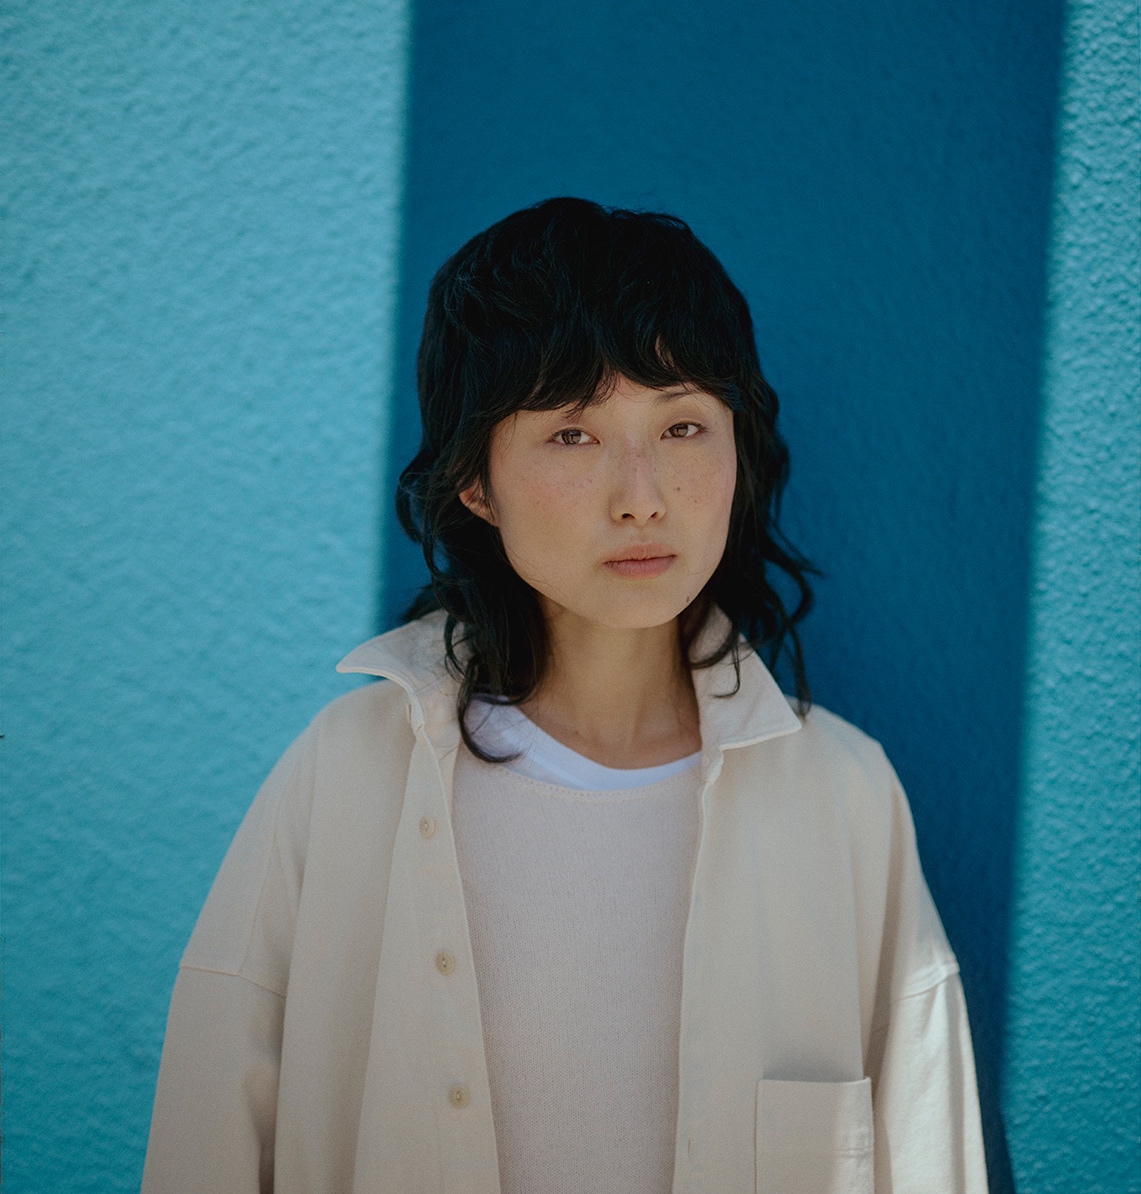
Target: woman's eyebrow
(683, 390)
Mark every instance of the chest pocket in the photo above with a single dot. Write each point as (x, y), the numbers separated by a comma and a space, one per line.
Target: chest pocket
(815, 1137)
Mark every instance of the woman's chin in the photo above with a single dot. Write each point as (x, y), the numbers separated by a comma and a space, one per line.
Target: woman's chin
(642, 613)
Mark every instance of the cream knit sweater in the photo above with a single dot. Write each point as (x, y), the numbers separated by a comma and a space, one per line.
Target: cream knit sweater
(577, 903)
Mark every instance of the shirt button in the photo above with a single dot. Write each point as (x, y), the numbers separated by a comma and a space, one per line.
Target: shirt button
(459, 1096)
(427, 827)
(445, 964)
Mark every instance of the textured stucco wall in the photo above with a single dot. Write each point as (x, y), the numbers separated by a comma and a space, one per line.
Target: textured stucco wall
(1074, 1022)
(202, 210)
(206, 252)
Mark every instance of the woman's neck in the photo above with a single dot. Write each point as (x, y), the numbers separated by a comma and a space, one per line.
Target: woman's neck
(623, 698)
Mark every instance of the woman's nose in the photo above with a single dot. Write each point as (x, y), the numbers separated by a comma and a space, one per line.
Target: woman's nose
(636, 495)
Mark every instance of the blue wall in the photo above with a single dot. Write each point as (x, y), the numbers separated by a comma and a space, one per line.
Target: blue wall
(222, 220)
(203, 208)
(1074, 1008)
(877, 178)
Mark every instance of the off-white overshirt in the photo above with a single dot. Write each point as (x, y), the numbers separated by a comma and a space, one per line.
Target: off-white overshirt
(317, 1043)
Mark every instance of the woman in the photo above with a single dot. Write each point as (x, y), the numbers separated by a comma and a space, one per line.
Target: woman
(579, 901)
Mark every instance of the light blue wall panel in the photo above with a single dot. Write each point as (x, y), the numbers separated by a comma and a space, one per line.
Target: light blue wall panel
(1074, 1028)
(202, 205)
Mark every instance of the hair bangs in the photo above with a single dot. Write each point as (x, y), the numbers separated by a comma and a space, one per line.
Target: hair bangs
(603, 295)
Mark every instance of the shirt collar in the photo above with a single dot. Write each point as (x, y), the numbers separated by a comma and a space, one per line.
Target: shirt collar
(413, 656)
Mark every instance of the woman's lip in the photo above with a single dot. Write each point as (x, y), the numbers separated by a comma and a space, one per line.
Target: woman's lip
(640, 569)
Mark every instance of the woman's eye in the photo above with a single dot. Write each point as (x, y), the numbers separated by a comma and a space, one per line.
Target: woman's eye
(571, 436)
(683, 430)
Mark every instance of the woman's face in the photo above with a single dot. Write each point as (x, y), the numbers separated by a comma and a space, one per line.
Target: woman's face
(617, 514)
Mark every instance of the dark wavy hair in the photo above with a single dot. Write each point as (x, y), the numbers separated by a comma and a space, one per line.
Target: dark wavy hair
(545, 309)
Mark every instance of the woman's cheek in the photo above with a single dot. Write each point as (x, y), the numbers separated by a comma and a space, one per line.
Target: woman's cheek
(563, 499)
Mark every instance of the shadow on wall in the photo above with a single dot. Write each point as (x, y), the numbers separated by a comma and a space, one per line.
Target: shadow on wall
(877, 179)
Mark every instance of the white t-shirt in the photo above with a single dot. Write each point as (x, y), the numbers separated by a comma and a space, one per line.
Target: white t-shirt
(507, 730)
(577, 881)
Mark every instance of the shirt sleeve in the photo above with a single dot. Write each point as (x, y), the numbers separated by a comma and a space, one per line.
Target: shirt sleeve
(928, 1133)
(927, 1128)
(212, 1128)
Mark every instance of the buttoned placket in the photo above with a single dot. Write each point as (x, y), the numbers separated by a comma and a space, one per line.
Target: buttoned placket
(468, 1154)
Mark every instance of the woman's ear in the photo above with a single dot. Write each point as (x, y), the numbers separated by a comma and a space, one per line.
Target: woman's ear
(472, 497)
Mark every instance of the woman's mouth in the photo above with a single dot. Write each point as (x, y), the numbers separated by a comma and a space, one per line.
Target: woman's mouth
(642, 566)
